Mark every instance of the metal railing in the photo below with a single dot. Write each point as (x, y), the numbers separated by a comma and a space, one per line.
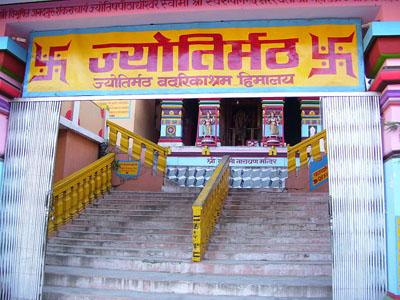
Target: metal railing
(311, 146)
(207, 208)
(73, 193)
(132, 144)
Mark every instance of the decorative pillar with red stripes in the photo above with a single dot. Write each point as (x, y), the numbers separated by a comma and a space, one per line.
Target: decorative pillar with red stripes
(171, 123)
(208, 123)
(272, 114)
(310, 117)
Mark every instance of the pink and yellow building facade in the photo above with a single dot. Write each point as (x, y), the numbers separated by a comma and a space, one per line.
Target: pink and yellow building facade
(382, 53)
(12, 69)
(212, 77)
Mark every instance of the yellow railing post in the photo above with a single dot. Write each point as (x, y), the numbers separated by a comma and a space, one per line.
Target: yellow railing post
(138, 143)
(302, 149)
(207, 208)
(73, 193)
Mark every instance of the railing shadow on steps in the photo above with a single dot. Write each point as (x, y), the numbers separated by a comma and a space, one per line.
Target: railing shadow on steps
(75, 192)
(207, 208)
(308, 147)
(133, 145)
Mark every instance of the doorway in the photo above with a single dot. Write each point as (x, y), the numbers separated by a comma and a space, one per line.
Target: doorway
(292, 121)
(189, 121)
(240, 121)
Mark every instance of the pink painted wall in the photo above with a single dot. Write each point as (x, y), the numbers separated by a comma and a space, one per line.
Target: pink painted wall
(389, 12)
(391, 140)
(73, 153)
(3, 132)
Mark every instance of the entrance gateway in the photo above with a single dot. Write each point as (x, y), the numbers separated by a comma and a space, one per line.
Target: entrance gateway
(222, 65)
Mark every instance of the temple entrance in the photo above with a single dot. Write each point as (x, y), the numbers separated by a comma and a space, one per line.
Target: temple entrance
(292, 121)
(190, 116)
(241, 122)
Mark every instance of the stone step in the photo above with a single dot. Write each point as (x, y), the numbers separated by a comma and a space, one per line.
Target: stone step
(137, 212)
(136, 218)
(148, 200)
(150, 194)
(187, 254)
(141, 206)
(219, 232)
(121, 243)
(189, 284)
(234, 207)
(145, 221)
(144, 253)
(258, 247)
(243, 199)
(270, 256)
(82, 221)
(274, 220)
(132, 229)
(68, 293)
(317, 234)
(268, 217)
(143, 197)
(270, 213)
(276, 226)
(232, 192)
(233, 239)
(124, 237)
(321, 247)
(188, 212)
(282, 201)
(224, 267)
(250, 192)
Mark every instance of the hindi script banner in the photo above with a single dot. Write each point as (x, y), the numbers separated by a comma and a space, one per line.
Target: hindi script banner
(196, 58)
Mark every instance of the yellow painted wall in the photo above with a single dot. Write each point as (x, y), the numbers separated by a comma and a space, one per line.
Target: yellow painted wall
(142, 119)
(127, 123)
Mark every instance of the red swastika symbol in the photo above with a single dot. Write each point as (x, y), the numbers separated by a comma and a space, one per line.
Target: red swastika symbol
(51, 62)
(331, 57)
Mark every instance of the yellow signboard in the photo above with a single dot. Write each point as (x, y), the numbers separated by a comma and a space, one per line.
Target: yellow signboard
(128, 168)
(320, 175)
(316, 55)
(118, 109)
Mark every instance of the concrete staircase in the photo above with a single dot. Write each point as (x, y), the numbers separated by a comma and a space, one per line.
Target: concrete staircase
(134, 245)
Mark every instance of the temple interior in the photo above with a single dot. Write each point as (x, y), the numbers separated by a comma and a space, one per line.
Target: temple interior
(234, 122)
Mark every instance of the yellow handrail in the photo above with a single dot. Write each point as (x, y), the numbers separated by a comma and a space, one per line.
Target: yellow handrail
(76, 191)
(138, 143)
(207, 208)
(302, 149)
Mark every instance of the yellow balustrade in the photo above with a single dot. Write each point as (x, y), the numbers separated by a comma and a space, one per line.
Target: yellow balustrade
(139, 142)
(308, 146)
(72, 194)
(207, 208)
